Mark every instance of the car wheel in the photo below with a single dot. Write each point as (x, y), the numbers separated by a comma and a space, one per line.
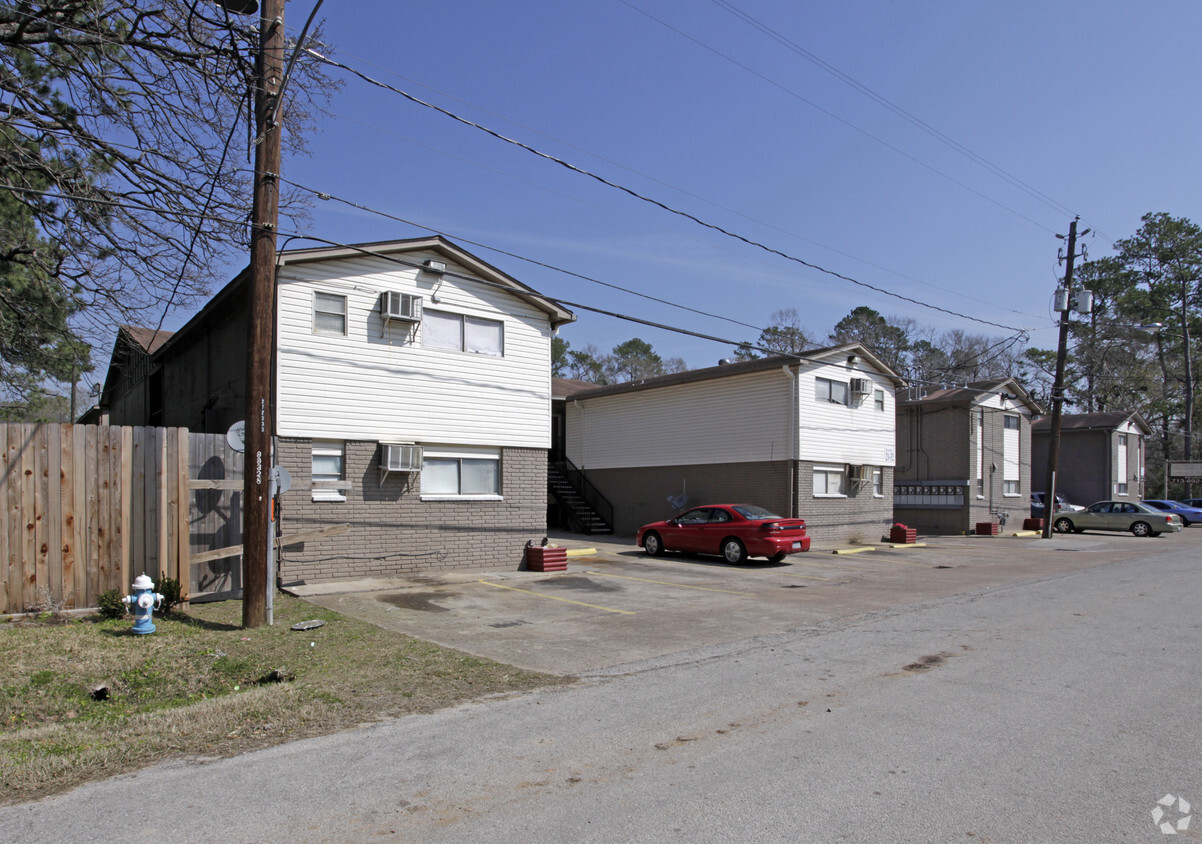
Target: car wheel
(1141, 529)
(1185, 522)
(733, 551)
(1063, 525)
(653, 545)
(776, 558)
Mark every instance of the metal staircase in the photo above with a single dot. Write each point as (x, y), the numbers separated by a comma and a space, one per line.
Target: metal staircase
(585, 508)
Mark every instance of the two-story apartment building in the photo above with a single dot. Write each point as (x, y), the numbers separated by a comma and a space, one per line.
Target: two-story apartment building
(964, 457)
(1101, 455)
(808, 436)
(412, 393)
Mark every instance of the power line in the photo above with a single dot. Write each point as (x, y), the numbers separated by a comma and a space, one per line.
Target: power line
(635, 194)
(836, 117)
(636, 172)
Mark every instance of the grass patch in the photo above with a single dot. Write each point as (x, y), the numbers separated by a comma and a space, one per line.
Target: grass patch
(86, 698)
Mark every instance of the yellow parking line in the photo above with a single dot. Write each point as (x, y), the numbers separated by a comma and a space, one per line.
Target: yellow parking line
(807, 576)
(554, 598)
(669, 583)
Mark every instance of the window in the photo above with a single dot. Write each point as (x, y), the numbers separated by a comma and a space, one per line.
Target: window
(1011, 465)
(980, 454)
(878, 399)
(878, 488)
(471, 473)
(834, 392)
(328, 477)
(461, 333)
(329, 313)
(828, 481)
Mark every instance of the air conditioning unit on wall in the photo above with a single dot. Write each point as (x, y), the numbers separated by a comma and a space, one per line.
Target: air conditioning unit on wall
(406, 307)
(400, 457)
(860, 386)
(858, 473)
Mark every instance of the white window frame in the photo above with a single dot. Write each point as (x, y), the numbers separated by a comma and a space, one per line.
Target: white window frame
(980, 453)
(1011, 466)
(435, 456)
(467, 340)
(318, 310)
(333, 487)
(878, 400)
(1120, 486)
(878, 482)
(826, 473)
(824, 391)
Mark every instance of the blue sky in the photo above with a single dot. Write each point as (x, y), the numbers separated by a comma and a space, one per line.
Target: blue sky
(1091, 108)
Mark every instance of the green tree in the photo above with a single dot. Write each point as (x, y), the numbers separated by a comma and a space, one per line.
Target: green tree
(886, 340)
(559, 357)
(120, 150)
(633, 361)
(1164, 258)
(784, 335)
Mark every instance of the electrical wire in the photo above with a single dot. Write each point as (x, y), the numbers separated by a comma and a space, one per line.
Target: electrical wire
(635, 194)
(636, 172)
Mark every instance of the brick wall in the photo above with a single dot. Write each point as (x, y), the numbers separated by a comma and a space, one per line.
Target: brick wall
(394, 532)
(859, 517)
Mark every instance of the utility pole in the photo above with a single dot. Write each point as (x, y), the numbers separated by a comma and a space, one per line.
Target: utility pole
(1049, 502)
(260, 339)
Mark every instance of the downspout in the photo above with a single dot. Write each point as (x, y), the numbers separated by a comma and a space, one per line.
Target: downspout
(794, 436)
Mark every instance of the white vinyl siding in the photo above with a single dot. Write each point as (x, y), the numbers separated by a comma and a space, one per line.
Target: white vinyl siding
(1011, 466)
(757, 416)
(380, 383)
(980, 418)
(856, 433)
(723, 420)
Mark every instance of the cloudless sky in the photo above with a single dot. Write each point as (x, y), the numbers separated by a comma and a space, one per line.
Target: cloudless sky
(1086, 108)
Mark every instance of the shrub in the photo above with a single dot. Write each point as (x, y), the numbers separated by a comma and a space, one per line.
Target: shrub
(110, 603)
(169, 588)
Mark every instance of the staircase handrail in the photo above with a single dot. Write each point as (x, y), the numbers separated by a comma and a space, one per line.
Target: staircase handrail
(588, 492)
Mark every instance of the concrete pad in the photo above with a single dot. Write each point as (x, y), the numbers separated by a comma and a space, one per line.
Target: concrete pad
(619, 607)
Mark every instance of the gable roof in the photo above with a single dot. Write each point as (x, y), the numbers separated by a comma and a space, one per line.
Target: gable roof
(1105, 421)
(131, 340)
(974, 392)
(728, 370)
(393, 250)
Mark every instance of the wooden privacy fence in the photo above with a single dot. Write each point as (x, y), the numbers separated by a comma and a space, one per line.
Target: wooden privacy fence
(87, 508)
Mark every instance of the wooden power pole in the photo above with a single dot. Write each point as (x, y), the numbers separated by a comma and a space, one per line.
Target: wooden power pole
(260, 339)
(1049, 501)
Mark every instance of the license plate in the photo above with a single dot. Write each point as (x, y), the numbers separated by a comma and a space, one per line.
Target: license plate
(796, 545)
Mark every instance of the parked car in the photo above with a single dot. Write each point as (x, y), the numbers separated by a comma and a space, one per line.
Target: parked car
(1189, 513)
(1192, 502)
(1140, 519)
(1062, 503)
(735, 531)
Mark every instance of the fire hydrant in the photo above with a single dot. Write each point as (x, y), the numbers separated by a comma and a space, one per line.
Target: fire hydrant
(143, 603)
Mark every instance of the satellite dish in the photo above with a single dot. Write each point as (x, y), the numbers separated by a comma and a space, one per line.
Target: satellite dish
(236, 436)
(680, 501)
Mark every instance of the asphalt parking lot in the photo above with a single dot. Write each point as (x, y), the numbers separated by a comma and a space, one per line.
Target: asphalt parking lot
(615, 606)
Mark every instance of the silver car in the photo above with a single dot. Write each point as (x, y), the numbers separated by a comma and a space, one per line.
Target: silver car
(1140, 519)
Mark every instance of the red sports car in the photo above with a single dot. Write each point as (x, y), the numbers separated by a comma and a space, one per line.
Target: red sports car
(735, 531)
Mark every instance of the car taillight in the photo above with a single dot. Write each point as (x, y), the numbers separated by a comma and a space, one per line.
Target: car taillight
(772, 526)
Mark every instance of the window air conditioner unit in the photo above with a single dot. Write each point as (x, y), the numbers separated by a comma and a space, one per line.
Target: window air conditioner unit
(400, 458)
(860, 386)
(401, 306)
(857, 473)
